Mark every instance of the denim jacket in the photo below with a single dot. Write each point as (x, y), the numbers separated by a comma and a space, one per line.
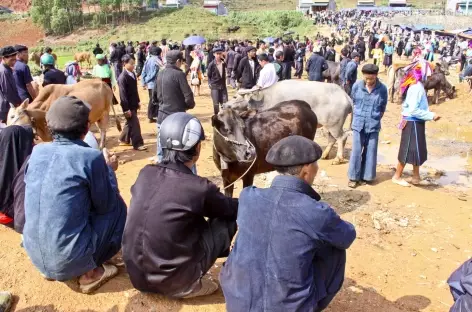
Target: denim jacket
(368, 107)
(281, 231)
(150, 71)
(67, 184)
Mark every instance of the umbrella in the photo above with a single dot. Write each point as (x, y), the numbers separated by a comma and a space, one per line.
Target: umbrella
(193, 40)
(269, 40)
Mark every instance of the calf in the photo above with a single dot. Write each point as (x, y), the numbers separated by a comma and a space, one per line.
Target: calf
(241, 141)
(438, 82)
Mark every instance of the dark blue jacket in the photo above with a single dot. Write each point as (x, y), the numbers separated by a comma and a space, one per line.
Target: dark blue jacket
(351, 72)
(342, 68)
(460, 283)
(283, 230)
(368, 107)
(315, 67)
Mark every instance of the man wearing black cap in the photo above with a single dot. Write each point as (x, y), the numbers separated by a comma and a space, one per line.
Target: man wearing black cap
(8, 89)
(370, 99)
(172, 92)
(75, 215)
(22, 74)
(315, 66)
(168, 244)
(350, 76)
(290, 252)
(248, 69)
(216, 74)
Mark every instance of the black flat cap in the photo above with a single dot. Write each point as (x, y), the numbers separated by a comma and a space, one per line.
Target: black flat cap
(8, 51)
(294, 150)
(67, 113)
(173, 56)
(355, 54)
(20, 48)
(218, 50)
(371, 69)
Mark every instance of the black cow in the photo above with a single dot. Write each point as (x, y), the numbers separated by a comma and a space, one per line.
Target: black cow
(233, 29)
(438, 82)
(333, 72)
(241, 141)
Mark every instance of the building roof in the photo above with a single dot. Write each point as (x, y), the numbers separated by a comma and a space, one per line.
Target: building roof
(397, 2)
(211, 2)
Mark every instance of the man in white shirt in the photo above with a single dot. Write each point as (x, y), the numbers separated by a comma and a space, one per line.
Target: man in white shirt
(268, 75)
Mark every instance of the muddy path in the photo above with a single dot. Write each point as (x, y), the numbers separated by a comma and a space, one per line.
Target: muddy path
(409, 239)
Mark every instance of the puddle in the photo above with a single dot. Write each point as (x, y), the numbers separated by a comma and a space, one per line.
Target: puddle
(457, 170)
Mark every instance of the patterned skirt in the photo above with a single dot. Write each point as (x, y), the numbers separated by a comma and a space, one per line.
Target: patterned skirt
(413, 148)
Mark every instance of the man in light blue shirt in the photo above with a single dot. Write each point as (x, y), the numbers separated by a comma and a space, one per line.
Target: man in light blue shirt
(148, 79)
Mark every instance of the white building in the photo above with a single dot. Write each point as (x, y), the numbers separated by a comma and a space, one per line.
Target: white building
(397, 3)
(175, 3)
(365, 3)
(310, 6)
(215, 6)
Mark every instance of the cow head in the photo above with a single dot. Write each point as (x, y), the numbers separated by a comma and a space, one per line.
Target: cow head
(229, 136)
(450, 90)
(35, 118)
(442, 67)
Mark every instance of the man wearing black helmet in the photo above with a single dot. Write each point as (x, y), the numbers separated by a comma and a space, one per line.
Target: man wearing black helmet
(178, 223)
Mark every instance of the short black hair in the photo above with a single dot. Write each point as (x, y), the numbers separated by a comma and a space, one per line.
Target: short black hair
(271, 50)
(163, 41)
(263, 57)
(279, 54)
(126, 58)
(47, 50)
(172, 156)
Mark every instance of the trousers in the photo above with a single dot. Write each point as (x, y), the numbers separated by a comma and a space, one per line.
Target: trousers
(287, 70)
(118, 66)
(219, 97)
(216, 241)
(132, 131)
(152, 107)
(298, 69)
(363, 162)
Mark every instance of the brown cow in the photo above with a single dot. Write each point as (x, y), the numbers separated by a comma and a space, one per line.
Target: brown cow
(95, 92)
(36, 57)
(241, 141)
(81, 57)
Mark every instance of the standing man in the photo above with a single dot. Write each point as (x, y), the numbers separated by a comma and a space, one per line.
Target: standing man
(115, 58)
(290, 252)
(230, 55)
(248, 69)
(342, 66)
(151, 68)
(299, 60)
(141, 59)
(279, 60)
(97, 50)
(22, 75)
(216, 74)
(370, 98)
(289, 58)
(51, 74)
(350, 76)
(268, 75)
(262, 48)
(172, 92)
(130, 103)
(238, 56)
(8, 89)
(315, 66)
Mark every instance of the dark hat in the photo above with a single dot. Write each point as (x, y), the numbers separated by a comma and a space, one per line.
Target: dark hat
(218, 50)
(371, 69)
(20, 48)
(67, 113)
(294, 150)
(249, 49)
(180, 132)
(8, 51)
(173, 56)
(355, 54)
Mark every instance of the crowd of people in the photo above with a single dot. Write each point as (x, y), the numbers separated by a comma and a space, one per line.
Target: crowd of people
(75, 224)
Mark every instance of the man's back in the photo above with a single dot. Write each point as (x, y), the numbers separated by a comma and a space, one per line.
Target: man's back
(66, 183)
(23, 77)
(54, 76)
(315, 67)
(275, 268)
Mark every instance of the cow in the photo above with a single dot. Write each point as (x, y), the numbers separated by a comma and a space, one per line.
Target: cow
(94, 92)
(333, 72)
(36, 57)
(233, 29)
(328, 101)
(438, 82)
(81, 57)
(395, 75)
(241, 140)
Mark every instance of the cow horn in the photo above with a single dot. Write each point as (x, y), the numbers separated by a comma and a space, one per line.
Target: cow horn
(12, 106)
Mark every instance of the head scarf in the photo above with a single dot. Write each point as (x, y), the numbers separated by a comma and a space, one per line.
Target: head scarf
(417, 71)
(16, 144)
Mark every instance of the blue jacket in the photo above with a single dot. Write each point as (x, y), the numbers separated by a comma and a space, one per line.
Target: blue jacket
(368, 107)
(282, 230)
(67, 185)
(351, 72)
(460, 284)
(149, 74)
(342, 68)
(315, 67)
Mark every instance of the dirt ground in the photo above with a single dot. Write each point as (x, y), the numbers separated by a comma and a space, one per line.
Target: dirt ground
(21, 31)
(409, 240)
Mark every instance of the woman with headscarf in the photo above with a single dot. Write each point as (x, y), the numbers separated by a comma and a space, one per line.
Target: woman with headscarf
(388, 55)
(16, 144)
(415, 112)
(103, 71)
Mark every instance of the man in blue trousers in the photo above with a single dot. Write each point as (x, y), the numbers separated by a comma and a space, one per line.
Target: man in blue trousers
(370, 98)
(290, 252)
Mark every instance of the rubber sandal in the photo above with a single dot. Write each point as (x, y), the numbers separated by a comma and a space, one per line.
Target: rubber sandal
(422, 183)
(401, 182)
(110, 272)
(5, 301)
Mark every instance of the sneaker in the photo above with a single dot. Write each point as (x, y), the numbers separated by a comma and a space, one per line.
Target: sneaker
(208, 287)
(141, 148)
(5, 301)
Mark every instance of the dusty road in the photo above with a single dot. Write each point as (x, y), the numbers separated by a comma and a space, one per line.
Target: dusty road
(409, 239)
